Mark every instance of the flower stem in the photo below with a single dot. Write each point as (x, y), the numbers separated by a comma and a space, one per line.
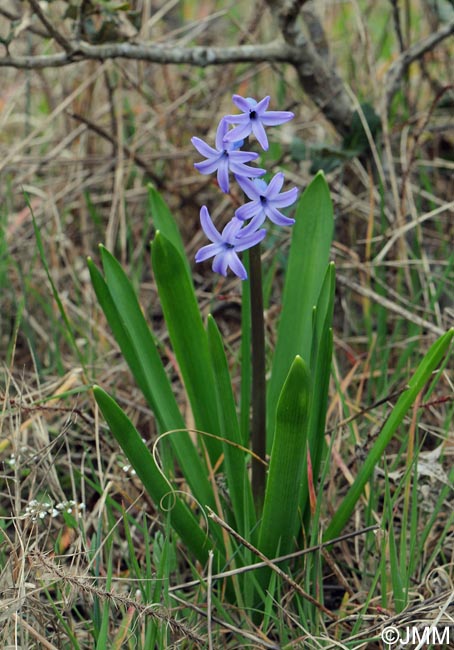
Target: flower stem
(258, 377)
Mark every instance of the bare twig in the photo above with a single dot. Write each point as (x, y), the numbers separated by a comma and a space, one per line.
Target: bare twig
(317, 75)
(200, 56)
(259, 641)
(390, 305)
(416, 51)
(53, 33)
(397, 25)
(130, 154)
(283, 558)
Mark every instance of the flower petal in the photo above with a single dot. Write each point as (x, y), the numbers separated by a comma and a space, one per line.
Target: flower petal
(249, 241)
(230, 230)
(236, 265)
(241, 103)
(207, 166)
(250, 210)
(243, 156)
(220, 263)
(220, 134)
(203, 148)
(239, 169)
(262, 105)
(275, 185)
(223, 174)
(259, 131)
(285, 199)
(207, 251)
(253, 225)
(239, 132)
(208, 226)
(278, 218)
(274, 118)
(249, 187)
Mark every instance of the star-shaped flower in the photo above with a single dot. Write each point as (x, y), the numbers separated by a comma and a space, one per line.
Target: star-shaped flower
(225, 158)
(254, 119)
(265, 201)
(225, 246)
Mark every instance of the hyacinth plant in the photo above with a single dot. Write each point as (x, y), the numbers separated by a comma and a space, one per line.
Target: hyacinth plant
(268, 443)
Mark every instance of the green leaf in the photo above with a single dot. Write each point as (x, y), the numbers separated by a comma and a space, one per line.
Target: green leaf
(280, 509)
(308, 259)
(235, 459)
(124, 315)
(188, 337)
(423, 373)
(127, 436)
(164, 222)
(321, 356)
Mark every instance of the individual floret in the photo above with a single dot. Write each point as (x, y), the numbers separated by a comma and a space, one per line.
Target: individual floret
(266, 199)
(226, 245)
(254, 119)
(225, 158)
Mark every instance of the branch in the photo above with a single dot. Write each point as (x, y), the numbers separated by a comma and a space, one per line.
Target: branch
(317, 76)
(104, 134)
(53, 33)
(416, 51)
(274, 52)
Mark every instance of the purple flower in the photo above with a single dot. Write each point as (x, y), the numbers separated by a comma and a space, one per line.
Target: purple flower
(225, 158)
(225, 246)
(254, 119)
(266, 199)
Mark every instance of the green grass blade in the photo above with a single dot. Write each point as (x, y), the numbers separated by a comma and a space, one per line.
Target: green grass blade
(280, 509)
(124, 315)
(423, 373)
(235, 459)
(102, 640)
(127, 436)
(308, 259)
(188, 337)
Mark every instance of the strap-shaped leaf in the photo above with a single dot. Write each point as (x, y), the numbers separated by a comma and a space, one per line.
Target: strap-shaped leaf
(288, 455)
(182, 519)
(235, 459)
(124, 315)
(321, 357)
(188, 337)
(308, 259)
(164, 222)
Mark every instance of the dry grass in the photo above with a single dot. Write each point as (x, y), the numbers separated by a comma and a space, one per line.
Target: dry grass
(83, 142)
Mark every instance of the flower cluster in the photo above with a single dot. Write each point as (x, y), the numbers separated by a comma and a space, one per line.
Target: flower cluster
(266, 199)
(41, 509)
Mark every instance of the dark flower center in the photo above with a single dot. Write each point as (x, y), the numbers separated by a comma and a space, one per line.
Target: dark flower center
(252, 115)
(263, 200)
